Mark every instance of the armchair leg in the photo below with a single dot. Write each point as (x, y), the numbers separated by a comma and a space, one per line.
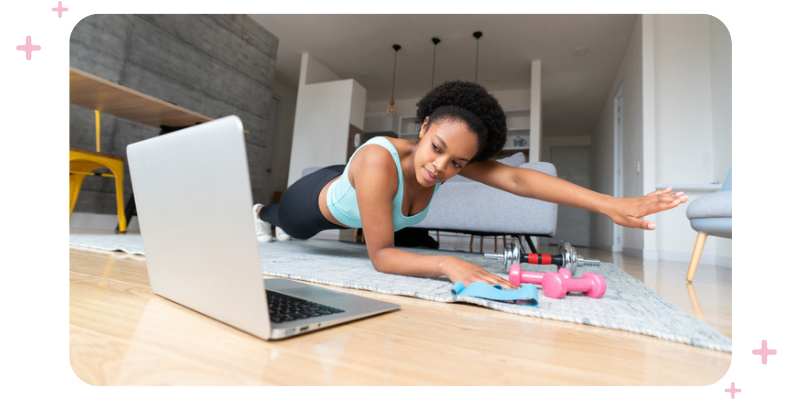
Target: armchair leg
(696, 253)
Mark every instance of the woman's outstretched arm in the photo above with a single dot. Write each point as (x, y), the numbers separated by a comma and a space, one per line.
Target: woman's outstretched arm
(534, 184)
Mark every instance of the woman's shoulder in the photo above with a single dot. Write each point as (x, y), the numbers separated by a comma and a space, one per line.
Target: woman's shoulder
(399, 145)
(373, 158)
(402, 146)
(381, 145)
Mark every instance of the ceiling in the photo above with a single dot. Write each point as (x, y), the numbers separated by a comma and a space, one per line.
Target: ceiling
(574, 86)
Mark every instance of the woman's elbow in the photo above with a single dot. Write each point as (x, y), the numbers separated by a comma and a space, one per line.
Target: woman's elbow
(380, 260)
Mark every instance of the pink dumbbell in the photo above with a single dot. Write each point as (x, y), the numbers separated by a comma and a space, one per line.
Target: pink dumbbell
(556, 287)
(517, 276)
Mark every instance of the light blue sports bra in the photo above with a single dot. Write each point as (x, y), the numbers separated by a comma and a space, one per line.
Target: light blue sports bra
(342, 202)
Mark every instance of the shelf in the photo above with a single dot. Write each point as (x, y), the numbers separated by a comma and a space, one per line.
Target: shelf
(407, 127)
(95, 93)
(518, 120)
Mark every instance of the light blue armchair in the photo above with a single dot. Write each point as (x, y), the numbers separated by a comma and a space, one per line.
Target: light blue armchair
(711, 214)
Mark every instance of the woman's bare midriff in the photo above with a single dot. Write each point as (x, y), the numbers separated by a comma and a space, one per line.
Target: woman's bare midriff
(323, 204)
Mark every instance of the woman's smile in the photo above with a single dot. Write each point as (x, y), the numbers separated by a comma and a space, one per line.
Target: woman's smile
(429, 176)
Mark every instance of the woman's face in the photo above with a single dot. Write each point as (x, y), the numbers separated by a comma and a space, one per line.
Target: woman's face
(444, 148)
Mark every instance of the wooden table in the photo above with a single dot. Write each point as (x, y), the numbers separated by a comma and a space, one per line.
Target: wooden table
(121, 333)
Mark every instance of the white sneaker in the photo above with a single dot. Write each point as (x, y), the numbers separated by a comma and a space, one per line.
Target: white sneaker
(263, 229)
(281, 235)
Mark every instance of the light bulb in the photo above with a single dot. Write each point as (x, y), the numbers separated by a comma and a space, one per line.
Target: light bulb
(391, 109)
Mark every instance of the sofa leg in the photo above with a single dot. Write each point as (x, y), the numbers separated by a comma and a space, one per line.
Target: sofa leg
(696, 253)
(530, 243)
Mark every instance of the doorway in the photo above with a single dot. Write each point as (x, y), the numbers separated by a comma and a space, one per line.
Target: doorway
(617, 244)
(572, 164)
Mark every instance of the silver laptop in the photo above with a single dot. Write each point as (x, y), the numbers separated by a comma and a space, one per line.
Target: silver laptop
(194, 203)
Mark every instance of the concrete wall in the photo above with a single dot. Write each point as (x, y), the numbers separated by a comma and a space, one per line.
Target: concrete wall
(216, 65)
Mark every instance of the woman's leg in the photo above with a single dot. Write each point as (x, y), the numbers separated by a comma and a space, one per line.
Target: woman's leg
(298, 213)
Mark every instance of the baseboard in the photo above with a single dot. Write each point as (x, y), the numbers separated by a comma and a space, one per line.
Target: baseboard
(602, 247)
(633, 252)
(716, 260)
(85, 220)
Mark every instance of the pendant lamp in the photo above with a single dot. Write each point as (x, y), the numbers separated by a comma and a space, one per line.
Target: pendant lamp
(391, 109)
(477, 36)
(433, 69)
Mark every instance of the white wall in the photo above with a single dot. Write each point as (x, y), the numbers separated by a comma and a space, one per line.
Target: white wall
(676, 77)
(313, 71)
(630, 77)
(323, 116)
(693, 121)
(721, 98)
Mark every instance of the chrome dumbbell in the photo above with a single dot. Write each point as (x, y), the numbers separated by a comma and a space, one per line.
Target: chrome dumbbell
(567, 257)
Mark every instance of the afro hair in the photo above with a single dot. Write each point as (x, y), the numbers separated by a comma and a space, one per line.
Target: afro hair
(472, 104)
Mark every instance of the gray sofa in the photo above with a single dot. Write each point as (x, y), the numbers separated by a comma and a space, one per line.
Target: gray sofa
(465, 206)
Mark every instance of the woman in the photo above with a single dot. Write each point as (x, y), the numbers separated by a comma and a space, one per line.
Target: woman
(388, 184)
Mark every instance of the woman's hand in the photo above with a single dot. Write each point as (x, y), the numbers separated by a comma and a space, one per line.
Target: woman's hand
(459, 270)
(626, 212)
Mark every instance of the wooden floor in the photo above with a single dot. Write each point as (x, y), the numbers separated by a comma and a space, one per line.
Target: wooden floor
(123, 334)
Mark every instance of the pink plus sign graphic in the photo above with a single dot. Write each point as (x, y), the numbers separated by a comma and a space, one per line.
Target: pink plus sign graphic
(60, 9)
(764, 352)
(733, 390)
(28, 48)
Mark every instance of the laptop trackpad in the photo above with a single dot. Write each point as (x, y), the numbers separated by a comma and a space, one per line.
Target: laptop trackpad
(312, 293)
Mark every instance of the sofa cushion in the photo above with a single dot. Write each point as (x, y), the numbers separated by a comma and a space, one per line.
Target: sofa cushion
(514, 160)
(473, 207)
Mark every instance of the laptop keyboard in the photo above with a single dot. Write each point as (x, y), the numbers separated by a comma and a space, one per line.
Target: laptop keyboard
(283, 308)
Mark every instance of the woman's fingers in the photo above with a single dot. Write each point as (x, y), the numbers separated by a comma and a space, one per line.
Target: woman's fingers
(646, 225)
(495, 280)
(468, 273)
(628, 211)
(667, 190)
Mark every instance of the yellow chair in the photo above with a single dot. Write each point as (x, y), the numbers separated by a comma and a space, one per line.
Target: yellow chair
(85, 162)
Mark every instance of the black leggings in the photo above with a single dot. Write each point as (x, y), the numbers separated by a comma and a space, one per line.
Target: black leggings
(298, 213)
